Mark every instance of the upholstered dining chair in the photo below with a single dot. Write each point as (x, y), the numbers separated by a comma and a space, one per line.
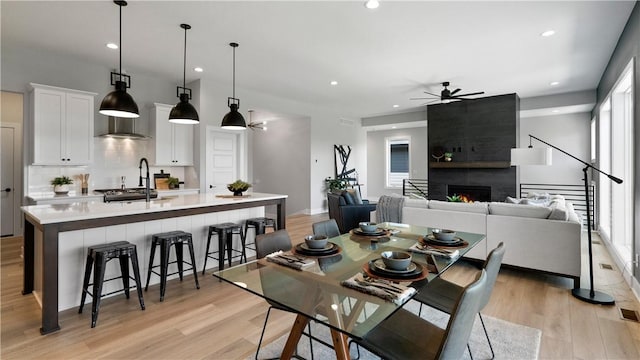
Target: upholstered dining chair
(404, 335)
(443, 295)
(329, 228)
(266, 244)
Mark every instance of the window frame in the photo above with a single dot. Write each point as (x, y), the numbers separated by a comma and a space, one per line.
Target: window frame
(387, 169)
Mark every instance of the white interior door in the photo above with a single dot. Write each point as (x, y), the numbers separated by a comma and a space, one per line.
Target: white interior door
(223, 160)
(7, 188)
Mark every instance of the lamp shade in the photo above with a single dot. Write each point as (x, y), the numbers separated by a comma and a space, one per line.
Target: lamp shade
(530, 156)
(184, 112)
(233, 120)
(119, 103)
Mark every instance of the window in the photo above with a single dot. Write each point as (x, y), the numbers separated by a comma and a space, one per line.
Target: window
(397, 164)
(615, 156)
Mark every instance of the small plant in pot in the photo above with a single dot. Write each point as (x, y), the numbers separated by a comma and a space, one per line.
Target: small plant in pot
(61, 184)
(238, 187)
(173, 182)
(336, 185)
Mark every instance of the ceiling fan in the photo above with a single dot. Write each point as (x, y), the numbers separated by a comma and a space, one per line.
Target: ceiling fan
(447, 95)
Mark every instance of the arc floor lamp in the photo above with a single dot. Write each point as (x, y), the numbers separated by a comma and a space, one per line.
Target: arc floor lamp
(542, 156)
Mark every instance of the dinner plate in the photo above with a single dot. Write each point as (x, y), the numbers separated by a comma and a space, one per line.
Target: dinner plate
(394, 274)
(455, 242)
(303, 249)
(378, 232)
(380, 265)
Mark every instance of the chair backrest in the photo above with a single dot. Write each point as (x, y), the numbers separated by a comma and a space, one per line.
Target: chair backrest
(328, 228)
(271, 242)
(462, 318)
(492, 267)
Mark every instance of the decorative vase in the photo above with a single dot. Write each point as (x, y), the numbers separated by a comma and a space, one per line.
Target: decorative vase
(447, 159)
(237, 193)
(61, 189)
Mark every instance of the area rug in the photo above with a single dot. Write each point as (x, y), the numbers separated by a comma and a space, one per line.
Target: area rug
(509, 340)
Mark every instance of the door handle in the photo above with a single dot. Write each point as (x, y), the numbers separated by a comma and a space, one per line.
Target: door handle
(7, 190)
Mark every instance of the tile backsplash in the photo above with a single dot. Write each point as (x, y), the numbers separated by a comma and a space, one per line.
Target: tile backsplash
(113, 158)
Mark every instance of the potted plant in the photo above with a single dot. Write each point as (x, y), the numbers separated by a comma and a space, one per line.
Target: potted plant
(448, 156)
(173, 182)
(336, 185)
(238, 187)
(61, 184)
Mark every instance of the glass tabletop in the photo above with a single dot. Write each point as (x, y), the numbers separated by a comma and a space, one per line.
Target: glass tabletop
(317, 293)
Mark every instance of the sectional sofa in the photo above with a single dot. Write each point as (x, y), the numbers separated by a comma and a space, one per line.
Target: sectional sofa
(543, 237)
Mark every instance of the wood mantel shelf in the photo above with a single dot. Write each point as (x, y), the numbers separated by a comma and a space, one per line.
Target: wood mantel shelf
(470, 165)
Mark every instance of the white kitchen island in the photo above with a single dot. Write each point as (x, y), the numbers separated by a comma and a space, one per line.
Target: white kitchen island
(56, 237)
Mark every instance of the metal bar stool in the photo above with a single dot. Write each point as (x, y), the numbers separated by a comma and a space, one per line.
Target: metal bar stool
(97, 258)
(224, 232)
(259, 224)
(177, 239)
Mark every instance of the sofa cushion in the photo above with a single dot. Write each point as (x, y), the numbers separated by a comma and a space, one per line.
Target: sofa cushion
(531, 211)
(475, 207)
(558, 211)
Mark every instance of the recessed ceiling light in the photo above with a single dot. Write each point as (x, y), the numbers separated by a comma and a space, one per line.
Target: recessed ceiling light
(334, 83)
(372, 4)
(554, 83)
(396, 106)
(393, 127)
(555, 111)
(112, 46)
(198, 69)
(548, 33)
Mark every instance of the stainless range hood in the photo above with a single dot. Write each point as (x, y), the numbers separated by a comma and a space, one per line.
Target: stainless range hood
(123, 128)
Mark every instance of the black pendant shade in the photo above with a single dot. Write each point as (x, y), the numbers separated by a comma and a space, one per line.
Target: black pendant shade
(183, 112)
(233, 120)
(118, 103)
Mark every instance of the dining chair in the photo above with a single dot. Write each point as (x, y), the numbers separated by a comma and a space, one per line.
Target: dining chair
(404, 335)
(267, 244)
(443, 295)
(329, 228)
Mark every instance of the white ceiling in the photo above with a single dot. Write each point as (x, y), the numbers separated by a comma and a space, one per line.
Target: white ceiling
(379, 57)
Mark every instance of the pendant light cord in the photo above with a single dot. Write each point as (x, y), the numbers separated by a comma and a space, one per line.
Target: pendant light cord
(120, 76)
(184, 68)
(234, 72)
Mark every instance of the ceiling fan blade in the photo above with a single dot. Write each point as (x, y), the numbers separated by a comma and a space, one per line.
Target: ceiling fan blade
(426, 98)
(471, 94)
(436, 95)
(455, 91)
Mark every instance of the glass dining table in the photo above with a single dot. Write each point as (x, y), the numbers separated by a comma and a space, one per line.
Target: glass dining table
(317, 292)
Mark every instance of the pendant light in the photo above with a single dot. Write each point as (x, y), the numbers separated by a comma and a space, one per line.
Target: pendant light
(183, 112)
(118, 103)
(233, 120)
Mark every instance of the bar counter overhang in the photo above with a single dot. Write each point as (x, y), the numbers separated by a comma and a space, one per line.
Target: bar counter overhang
(51, 220)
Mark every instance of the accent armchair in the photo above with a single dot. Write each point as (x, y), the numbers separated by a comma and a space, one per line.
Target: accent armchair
(345, 210)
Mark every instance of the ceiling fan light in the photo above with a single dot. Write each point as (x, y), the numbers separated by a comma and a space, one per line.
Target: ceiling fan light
(233, 120)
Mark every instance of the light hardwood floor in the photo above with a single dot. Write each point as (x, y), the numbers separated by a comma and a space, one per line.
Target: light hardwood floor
(220, 321)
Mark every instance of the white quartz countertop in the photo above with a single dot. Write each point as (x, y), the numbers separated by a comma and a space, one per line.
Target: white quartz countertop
(73, 195)
(59, 213)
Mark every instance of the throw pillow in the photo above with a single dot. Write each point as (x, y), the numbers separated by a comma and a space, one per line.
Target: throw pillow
(355, 194)
(348, 199)
(558, 211)
(511, 200)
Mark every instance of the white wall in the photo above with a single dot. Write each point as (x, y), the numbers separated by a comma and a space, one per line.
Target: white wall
(281, 161)
(376, 158)
(570, 132)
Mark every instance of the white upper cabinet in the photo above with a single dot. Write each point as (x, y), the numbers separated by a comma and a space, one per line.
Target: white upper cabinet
(62, 121)
(173, 143)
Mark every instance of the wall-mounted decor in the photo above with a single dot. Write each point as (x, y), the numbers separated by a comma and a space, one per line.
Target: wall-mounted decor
(343, 165)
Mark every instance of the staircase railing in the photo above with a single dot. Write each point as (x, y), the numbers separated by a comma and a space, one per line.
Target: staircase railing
(418, 187)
